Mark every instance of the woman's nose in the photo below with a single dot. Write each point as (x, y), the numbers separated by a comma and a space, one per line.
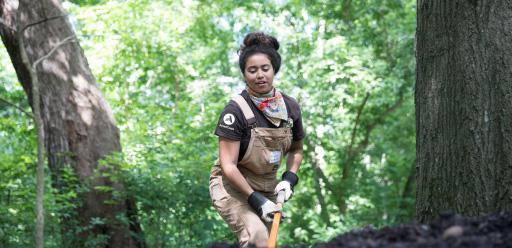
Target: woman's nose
(259, 74)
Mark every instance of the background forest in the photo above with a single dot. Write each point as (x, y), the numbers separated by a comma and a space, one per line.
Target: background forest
(167, 68)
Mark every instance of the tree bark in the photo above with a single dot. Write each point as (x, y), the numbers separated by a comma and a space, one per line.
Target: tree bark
(78, 124)
(463, 107)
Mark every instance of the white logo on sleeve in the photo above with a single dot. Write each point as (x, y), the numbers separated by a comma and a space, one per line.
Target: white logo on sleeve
(229, 119)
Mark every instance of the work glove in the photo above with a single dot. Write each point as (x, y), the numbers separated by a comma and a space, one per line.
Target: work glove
(263, 206)
(289, 180)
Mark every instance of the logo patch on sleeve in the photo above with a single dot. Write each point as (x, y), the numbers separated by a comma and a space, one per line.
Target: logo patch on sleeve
(229, 119)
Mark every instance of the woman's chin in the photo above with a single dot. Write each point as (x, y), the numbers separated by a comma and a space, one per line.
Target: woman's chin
(264, 89)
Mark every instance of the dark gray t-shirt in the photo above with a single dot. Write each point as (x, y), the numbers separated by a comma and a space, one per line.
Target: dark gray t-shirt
(233, 125)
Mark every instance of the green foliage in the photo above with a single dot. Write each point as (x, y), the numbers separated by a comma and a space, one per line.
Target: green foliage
(167, 68)
(17, 162)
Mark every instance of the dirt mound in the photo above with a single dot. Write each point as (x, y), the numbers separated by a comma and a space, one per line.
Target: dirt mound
(448, 230)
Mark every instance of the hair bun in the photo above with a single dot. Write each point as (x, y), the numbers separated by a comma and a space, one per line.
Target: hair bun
(260, 39)
(259, 42)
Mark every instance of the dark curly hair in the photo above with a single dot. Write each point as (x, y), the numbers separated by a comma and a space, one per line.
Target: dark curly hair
(259, 42)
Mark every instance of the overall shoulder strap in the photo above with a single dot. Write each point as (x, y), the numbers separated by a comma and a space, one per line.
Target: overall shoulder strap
(246, 109)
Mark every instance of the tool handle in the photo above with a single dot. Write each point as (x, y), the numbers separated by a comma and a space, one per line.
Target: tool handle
(272, 239)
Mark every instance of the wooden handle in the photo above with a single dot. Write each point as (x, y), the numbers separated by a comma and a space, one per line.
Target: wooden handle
(275, 227)
(272, 239)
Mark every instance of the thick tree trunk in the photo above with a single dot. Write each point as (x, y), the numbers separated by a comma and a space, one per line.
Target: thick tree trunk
(78, 124)
(464, 107)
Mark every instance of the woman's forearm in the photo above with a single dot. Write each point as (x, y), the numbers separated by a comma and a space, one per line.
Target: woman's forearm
(236, 179)
(295, 156)
(228, 153)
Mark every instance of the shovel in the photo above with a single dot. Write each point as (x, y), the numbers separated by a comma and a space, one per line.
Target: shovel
(277, 219)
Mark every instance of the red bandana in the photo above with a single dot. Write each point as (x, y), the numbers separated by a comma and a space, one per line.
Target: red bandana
(272, 105)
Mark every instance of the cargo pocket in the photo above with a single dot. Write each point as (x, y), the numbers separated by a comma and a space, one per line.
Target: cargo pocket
(218, 194)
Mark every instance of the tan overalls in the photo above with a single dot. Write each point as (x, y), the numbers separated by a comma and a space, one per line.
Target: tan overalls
(259, 165)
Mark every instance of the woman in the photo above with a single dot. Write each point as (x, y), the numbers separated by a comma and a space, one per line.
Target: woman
(256, 130)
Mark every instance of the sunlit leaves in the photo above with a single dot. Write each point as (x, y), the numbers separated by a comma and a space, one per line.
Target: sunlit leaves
(167, 68)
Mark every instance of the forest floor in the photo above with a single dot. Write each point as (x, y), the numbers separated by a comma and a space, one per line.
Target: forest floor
(448, 230)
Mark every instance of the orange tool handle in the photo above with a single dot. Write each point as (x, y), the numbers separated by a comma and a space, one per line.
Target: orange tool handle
(272, 239)
(275, 227)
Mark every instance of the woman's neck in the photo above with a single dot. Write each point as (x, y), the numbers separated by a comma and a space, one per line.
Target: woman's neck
(256, 94)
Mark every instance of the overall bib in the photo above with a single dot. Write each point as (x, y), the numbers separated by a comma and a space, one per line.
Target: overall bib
(259, 166)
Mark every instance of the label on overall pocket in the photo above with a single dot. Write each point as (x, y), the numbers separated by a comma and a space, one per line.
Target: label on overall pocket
(275, 157)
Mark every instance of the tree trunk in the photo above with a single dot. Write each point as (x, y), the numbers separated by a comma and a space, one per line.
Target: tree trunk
(78, 124)
(464, 107)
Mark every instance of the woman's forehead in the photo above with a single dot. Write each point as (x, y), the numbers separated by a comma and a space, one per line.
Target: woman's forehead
(258, 59)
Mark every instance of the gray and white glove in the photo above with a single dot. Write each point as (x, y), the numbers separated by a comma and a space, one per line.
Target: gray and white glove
(286, 187)
(263, 206)
(289, 180)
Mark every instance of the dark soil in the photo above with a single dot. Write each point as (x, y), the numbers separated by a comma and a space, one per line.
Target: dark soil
(448, 230)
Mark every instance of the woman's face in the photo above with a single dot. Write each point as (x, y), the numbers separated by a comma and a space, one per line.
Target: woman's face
(259, 73)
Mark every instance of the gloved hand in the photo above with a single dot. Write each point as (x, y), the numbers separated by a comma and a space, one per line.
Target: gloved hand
(263, 206)
(289, 180)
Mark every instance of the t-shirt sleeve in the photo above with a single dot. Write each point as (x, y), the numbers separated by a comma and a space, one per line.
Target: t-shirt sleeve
(230, 124)
(295, 114)
(297, 129)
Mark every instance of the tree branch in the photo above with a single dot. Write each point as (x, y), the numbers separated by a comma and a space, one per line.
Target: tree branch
(50, 53)
(38, 122)
(2, 22)
(326, 181)
(411, 178)
(317, 172)
(369, 128)
(347, 10)
(407, 192)
(41, 21)
(358, 116)
(387, 112)
(17, 107)
(364, 143)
